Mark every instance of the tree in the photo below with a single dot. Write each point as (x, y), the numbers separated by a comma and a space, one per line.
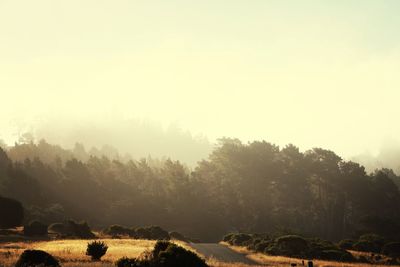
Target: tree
(11, 213)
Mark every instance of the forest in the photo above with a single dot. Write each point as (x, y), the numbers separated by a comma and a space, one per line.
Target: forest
(254, 187)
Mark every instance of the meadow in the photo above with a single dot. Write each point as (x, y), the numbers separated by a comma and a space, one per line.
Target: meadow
(71, 252)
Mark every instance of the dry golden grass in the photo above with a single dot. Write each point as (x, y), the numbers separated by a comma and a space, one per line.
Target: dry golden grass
(72, 252)
(278, 261)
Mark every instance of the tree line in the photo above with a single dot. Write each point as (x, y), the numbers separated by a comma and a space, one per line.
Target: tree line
(241, 187)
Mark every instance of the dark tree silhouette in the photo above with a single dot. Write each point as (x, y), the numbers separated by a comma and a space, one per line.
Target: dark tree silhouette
(11, 213)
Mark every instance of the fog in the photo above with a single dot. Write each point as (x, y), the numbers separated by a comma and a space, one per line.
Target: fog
(169, 79)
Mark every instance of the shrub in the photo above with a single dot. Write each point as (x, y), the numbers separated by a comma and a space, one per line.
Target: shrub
(35, 228)
(346, 244)
(292, 245)
(228, 237)
(152, 233)
(75, 229)
(177, 236)
(117, 230)
(71, 229)
(392, 249)
(159, 247)
(176, 256)
(31, 258)
(96, 250)
(11, 213)
(241, 239)
(252, 244)
(262, 246)
(165, 254)
(370, 243)
(58, 228)
(367, 246)
(141, 233)
(373, 238)
(336, 255)
(127, 262)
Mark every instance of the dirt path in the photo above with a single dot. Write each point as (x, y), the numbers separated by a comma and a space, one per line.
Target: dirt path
(221, 253)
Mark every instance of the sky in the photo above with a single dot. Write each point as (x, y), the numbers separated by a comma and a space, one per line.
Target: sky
(311, 73)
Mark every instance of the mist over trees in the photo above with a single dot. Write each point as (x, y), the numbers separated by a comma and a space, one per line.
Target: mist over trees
(387, 157)
(124, 138)
(253, 187)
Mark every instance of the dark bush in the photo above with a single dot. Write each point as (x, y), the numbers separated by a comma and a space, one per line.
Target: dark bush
(336, 255)
(117, 230)
(81, 230)
(370, 243)
(165, 254)
(127, 262)
(160, 246)
(11, 213)
(262, 246)
(32, 258)
(141, 233)
(241, 239)
(177, 236)
(96, 250)
(58, 228)
(346, 244)
(176, 256)
(392, 249)
(72, 229)
(373, 238)
(152, 233)
(317, 245)
(35, 228)
(228, 237)
(292, 245)
(367, 246)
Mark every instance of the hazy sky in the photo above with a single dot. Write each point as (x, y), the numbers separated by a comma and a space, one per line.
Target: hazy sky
(312, 73)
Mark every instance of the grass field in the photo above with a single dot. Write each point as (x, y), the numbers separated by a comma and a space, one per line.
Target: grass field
(72, 253)
(267, 260)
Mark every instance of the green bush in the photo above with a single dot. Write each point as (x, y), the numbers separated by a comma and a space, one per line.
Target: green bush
(33, 258)
(151, 233)
(373, 238)
(241, 239)
(292, 245)
(72, 229)
(336, 255)
(228, 237)
(117, 230)
(317, 246)
(346, 244)
(367, 246)
(370, 243)
(80, 230)
(251, 245)
(58, 228)
(392, 249)
(177, 256)
(262, 246)
(165, 254)
(96, 250)
(35, 228)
